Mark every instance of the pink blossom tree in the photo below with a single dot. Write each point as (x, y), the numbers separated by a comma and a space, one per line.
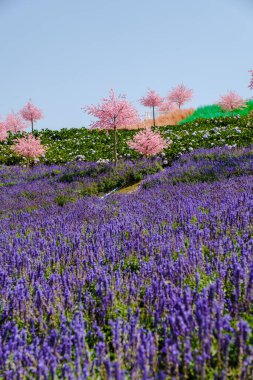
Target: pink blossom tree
(112, 113)
(167, 106)
(251, 80)
(3, 132)
(31, 113)
(180, 95)
(14, 123)
(148, 143)
(231, 101)
(152, 99)
(28, 147)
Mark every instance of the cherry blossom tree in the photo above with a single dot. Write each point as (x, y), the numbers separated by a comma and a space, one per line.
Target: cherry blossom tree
(231, 101)
(152, 99)
(28, 147)
(180, 95)
(167, 106)
(3, 132)
(14, 123)
(251, 80)
(31, 113)
(112, 113)
(148, 143)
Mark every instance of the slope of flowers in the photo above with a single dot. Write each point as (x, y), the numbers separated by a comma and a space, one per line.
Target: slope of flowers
(64, 145)
(154, 285)
(206, 166)
(44, 186)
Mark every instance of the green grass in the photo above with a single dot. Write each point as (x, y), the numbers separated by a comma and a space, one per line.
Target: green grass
(214, 111)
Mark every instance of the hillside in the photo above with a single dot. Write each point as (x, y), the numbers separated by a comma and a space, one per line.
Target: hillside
(214, 111)
(154, 284)
(64, 145)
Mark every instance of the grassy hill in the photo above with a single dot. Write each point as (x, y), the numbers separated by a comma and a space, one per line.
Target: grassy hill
(214, 111)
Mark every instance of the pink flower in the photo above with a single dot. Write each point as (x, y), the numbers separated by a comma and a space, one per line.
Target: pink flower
(28, 147)
(14, 123)
(3, 132)
(231, 101)
(180, 95)
(152, 99)
(148, 143)
(112, 113)
(167, 106)
(31, 113)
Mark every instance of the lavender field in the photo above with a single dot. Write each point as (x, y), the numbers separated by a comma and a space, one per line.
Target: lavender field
(157, 284)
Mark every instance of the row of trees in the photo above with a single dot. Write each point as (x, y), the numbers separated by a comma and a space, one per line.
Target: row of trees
(28, 146)
(180, 95)
(112, 113)
(18, 122)
(177, 97)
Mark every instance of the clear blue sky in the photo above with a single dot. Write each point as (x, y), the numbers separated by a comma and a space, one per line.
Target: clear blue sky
(64, 54)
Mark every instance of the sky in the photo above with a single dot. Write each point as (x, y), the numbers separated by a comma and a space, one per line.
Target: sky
(65, 54)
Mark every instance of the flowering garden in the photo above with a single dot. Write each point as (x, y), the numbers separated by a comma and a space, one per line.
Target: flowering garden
(154, 284)
(65, 145)
(100, 283)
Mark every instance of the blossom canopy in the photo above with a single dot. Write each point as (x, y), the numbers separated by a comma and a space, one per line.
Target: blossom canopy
(14, 123)
(167, 106)
(148, 143)
(231, 101)
(113, 112)
(180, 95)
(28, 147)
(31, 113)
(152, 99)
(3, 132)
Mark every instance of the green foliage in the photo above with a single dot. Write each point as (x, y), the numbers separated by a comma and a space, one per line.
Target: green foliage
(62, 200)
(91, 189)
(7, 184)
(132, 264)
(203, 282)
(64, 145)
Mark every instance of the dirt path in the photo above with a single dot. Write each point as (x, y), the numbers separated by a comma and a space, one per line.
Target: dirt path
(129, 189)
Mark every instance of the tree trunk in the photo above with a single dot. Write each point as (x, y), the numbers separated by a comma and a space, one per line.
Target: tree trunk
(115, 144)
(154, 115)
(32, 125)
